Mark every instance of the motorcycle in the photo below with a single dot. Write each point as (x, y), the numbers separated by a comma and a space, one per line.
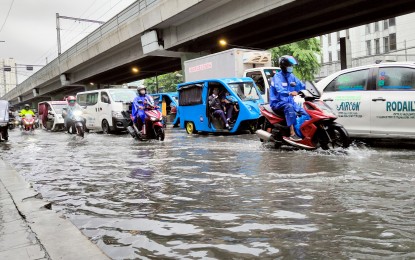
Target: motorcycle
(153, 123)
(28, 123)
(76, 124)
(320, 130)
(11, 122)
(17, 122)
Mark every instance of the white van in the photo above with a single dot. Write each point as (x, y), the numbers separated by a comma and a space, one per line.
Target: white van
(103, 107)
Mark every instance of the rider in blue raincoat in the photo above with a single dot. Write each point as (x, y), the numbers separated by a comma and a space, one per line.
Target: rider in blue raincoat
(284, 86)
(139, 105)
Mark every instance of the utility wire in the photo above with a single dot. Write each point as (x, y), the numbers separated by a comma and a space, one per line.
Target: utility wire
(7, 16)
(50, 54)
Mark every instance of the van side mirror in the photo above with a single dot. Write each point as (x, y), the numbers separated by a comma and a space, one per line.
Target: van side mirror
(106, 99)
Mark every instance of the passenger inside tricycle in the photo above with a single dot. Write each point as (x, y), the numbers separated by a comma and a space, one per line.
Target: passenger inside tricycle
(223, 108)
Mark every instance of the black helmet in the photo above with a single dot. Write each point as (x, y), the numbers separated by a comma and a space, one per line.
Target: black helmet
(287, 61)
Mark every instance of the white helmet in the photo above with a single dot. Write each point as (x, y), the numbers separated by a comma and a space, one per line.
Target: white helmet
(140, 87)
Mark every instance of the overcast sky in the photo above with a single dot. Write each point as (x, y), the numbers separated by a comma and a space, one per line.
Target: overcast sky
(28, 27)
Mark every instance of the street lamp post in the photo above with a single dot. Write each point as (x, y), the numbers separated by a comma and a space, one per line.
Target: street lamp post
(157, 84)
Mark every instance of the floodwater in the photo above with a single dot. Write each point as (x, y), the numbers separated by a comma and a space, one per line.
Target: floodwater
(224, 197)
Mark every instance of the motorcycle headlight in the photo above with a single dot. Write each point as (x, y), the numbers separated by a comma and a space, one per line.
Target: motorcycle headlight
(153, 118)
(77, 113)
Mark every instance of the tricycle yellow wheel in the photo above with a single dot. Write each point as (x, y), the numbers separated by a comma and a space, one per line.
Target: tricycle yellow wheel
(190, 128)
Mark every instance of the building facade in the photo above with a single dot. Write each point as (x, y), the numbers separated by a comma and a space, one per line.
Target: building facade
(385, 40)
(8, 75)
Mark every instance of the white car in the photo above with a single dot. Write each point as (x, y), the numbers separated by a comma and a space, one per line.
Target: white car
(373, 101)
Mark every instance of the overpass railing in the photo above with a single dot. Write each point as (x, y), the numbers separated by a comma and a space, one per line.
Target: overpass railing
(51, 70)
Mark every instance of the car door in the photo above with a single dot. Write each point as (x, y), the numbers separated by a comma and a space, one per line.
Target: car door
(393, 102)
(104, 109)
(88, 101)
(348, 94)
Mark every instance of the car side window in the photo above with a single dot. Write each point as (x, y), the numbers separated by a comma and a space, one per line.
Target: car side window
(352, 81)
(91, 98)
(105, 98)
(395, 78)
(81, 99)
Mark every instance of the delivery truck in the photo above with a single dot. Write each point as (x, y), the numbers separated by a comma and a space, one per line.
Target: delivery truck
(234, 63)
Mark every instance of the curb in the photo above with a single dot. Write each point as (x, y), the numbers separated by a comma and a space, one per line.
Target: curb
(57, 236)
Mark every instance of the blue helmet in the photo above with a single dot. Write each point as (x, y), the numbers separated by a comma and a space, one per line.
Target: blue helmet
(287, 61)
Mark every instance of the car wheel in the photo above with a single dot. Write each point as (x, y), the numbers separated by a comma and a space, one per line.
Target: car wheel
(105, 127)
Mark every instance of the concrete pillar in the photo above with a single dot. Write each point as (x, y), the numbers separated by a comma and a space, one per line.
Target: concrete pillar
(345, 53)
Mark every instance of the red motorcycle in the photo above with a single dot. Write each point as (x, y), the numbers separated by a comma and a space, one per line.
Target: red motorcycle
(320, 130)
(153, 123)
(28, 123)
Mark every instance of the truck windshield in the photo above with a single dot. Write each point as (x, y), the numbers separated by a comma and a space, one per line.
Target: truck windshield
(123, 95)
(245, 90)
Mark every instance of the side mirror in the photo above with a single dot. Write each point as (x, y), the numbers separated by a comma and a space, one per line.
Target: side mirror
(105, 99)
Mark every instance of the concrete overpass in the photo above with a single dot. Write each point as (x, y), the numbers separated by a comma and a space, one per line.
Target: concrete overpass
(156, 36)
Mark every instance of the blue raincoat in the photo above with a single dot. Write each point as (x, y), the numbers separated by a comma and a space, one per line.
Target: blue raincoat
(138, 107)
(280, 98)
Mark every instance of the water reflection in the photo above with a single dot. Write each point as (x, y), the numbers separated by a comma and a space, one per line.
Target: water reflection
(224, 197)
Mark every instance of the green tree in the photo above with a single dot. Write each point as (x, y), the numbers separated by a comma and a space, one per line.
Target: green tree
(306, 52)
(165, 83)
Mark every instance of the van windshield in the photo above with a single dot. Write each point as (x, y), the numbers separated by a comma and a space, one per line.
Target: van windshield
(58, 108)
(245, 90)
(122, 95)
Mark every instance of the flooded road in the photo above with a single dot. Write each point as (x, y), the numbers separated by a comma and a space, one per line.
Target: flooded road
(223, 197)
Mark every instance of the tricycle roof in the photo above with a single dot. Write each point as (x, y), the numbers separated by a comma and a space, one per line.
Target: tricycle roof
(224, 81)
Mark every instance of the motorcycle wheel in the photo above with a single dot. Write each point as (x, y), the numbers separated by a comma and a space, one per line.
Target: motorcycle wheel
(160, 133)
(4, 134)
(80, 131)
(339, 138)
